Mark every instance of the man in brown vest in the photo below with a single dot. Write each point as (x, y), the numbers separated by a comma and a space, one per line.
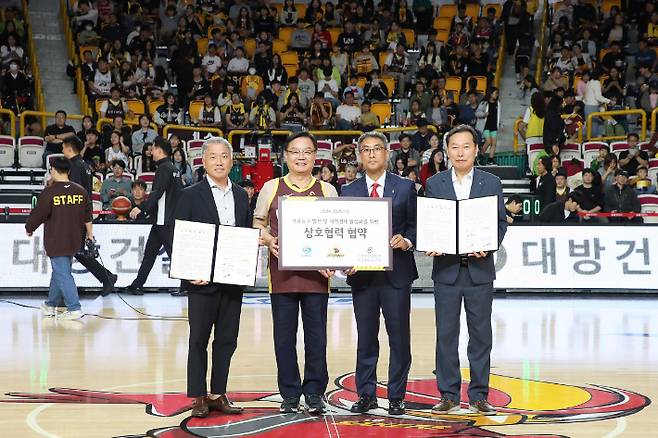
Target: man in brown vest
(292, 290)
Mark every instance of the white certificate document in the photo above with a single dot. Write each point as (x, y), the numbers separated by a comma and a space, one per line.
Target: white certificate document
(236, 259)
(457, 227)
(436, 225)
(192, 250)
(478, 225)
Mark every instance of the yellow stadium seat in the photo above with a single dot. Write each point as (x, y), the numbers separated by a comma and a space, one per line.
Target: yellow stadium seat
(279, 46)
(442, 23)
(361, 82)
(454, 83)
(99, 102)
(301, 11)
(250, 47)
(608, 4)
(410, 37)
(93, 49)
(194, 108)
(482, 83)
(211, 28)
(291, 69)
(202, 46)
(136, 106)
(389, 81)
(496, 6)
(154, 104)
(447, 10)
(290, 57)
(473, 10)
(442, 35)
(383, 111)
(285, 33)
(335, 33)
(278, 6)
(382, 59)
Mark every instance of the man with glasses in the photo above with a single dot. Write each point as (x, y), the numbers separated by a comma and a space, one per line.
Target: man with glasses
(389, 291)
(292, 290)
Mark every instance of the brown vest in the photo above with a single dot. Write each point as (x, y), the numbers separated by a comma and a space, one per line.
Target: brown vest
(292, 281)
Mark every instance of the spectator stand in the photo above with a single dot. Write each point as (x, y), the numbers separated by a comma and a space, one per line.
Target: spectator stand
(39, 101)
(638, 112)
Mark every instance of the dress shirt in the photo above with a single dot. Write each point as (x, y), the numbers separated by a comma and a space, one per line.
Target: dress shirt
(224, 202)
(463, 188)
(380, 191)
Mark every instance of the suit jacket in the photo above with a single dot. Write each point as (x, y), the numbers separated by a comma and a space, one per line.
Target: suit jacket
(197, 204)
(446, 267)
(554, 214)
(545, 190)
(403, 198)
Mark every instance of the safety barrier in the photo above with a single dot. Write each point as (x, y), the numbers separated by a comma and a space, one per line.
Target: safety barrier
(167, 128)
(43, 115)
(653, 119)
(80, 86)
(404, 129)
(106, 120)
(39, 102)
(641, 113)
(542, 43)
(12, 120)
(500, 62)
(517, 124)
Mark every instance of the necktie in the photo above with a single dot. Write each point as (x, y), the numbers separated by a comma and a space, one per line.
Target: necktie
(373, 191)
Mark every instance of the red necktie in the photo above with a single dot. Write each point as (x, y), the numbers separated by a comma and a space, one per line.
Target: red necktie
(373, 191)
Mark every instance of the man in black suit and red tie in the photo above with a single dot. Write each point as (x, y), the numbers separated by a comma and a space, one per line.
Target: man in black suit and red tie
(385, 291)
(213, 200)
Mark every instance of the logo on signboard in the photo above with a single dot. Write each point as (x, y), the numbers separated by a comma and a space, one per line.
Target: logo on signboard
(559, 404)
(307, 251)
(335, 252)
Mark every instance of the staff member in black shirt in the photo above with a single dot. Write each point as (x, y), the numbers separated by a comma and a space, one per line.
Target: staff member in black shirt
(160, 205)
(81, 174)
(592, 196)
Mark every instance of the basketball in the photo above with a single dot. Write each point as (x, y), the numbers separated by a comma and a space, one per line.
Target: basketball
(121, 205)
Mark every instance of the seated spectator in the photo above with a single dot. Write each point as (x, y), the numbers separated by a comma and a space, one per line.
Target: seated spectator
(642, 183)
(319, 112)
(435, 165)
(306, 87)
(562, 211)
(591, 194)
(354, 88)
(614, 125)
(100, 82)
(400, 166)
(430, 63)
(422, 96)
(15, 89)
(292, 116)
(168, 113)
(11, 51)
(327, 71)
(556, 80)
(147, 162)
(634, 157)
(621, 198)
(467, 112)
(56, 134)
(145, 134)
(599, 160)
(114, 106)
(288, 15)
(330, 175)
(236, 115)
(348, 113)
(561, 188)
(87, 124)
(437, 114)
(115, 185)
(375, 89)
(88, 36)
(349, 40)
(648, 100)
(117, 125)
(434, 142)
(351, 174)
(209, 113)
(262, 116)
(607, 170)
(301, 38)
(614, 58)
(556, 164)
(328, 89)
(513, 207)
(544, 188)
(92, 152)
(345, 155)
(117, 150)
(411, 175)
(414, 114)
(368, 121)
(420, 139)
(645, 55)
(137, 196)
(364, 62)
(199, 86)
(181, 164)
(410, 155)
(396, 65)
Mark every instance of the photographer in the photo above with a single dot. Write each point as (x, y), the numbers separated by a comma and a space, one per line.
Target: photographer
(63, 207)
(262, 116)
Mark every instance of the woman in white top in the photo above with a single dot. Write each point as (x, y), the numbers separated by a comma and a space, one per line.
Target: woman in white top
(593, 99)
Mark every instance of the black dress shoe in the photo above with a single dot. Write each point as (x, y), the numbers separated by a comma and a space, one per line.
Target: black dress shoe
(364, 404)
(482, 407)
(179, 293)
(396, 407)
(134, 290)
(108, 286)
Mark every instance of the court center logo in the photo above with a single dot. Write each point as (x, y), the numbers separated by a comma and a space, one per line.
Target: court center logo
(521, 402)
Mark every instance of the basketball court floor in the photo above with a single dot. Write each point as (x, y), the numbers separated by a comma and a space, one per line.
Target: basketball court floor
(561, 366)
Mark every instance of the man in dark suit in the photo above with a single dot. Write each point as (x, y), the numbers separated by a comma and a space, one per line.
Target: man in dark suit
(559, 212)
(213, 200)
(545, 183)
(389, 291)
(468, 277)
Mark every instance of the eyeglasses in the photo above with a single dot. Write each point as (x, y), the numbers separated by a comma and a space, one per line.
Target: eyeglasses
(298, 153)
(376, 150)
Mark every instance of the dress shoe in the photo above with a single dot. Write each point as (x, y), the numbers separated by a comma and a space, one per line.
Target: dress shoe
(364, 404)
(445, 406)
(200, 407)
(224, 405)
(134, 290)
(108, 286)
(482, 407)
(179, 293)
(396, 407)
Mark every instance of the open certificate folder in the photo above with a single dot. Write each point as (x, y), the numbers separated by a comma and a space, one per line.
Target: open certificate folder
(214, 253)
(457, 227)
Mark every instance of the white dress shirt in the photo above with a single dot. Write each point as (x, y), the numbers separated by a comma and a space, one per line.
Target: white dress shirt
(463, 188)
(224, 202)
(380, 191)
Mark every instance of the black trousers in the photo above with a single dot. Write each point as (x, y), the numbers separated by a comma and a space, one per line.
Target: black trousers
(395, 306)
(159, 236)
(220, 310)
(285, 314)
(94, 267)
(478, 299)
